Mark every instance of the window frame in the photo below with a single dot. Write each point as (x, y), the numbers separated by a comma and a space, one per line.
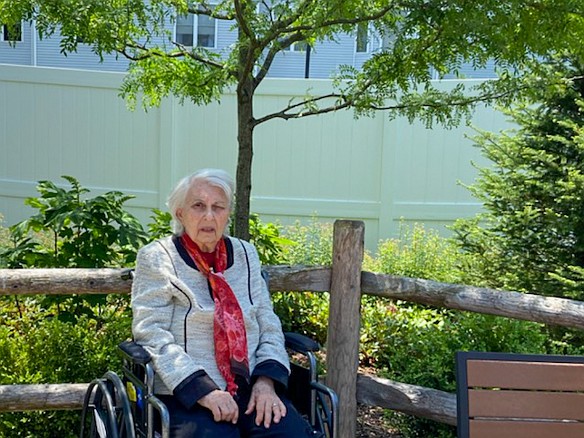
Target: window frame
(298, 47)
(195, 30)
(4, 33)
(358, 29)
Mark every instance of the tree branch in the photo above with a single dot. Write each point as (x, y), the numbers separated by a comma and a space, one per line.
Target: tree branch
(273, 36)
(297, 34)
(242, 22)
(271, 55)
(487, 97)
(209, 12)
(340, 21)
(182, 52)
(285, 115)
(300, 10)
(289, 112)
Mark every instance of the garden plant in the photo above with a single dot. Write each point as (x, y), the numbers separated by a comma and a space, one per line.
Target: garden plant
(74, 339)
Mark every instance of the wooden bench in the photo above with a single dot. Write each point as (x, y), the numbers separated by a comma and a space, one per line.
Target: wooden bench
(503, 395)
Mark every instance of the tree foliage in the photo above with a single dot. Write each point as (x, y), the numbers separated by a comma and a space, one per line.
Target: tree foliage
(530, 236)
(423, 36)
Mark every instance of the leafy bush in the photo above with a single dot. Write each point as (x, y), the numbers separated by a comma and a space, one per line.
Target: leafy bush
(313, 244)
(417, 253)
(160, 225)
(416, 344)
(72, 230)
(304, 311)
(38, 348)
(268, 240)
(56, 339)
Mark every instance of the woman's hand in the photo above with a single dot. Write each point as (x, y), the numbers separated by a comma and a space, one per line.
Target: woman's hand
(222, 405)
(266, 403)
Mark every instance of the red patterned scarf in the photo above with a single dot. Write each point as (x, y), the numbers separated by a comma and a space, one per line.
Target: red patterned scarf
(229, 327)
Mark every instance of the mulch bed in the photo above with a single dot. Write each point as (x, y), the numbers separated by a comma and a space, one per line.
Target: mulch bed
(372, 424)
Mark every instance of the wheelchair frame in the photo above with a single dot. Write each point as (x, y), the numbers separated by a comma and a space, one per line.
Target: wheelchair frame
(126, 407)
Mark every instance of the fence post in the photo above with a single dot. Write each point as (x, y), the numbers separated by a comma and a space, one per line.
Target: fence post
(344, 320)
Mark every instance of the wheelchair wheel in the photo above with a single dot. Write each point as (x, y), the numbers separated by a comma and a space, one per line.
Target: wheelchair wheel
(106, 410)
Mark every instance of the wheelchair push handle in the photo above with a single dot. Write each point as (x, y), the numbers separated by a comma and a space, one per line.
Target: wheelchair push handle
(134, 352)
(300, 343)
(295, 341)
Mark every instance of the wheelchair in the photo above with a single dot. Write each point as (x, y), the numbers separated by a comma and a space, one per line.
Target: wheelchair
(127, 407)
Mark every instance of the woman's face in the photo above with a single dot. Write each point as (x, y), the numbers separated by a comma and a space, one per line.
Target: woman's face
(205, 215)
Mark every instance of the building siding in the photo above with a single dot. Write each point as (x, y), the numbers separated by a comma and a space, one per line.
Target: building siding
(325, 57)
(19, 52)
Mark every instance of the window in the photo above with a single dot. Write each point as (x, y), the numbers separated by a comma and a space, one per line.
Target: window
(362, 39)
(11, 33)
(386, 42)
(185, 30)
(206, 31)
(196, 30)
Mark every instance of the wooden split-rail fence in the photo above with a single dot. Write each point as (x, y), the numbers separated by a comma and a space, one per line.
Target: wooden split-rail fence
(346, 283)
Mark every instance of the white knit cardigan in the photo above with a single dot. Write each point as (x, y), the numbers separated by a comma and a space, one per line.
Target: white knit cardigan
(173, 313)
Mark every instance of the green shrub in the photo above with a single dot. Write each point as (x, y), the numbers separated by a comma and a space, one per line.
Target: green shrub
(60, 339)
(304, 311)
(268, 240)
(160, 225)
(39, 348)
(75, 231)
(417, 253)
(72, 230)
(313, 244)
(416, 344)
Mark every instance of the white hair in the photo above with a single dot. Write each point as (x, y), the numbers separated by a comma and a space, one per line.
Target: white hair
(177, 197)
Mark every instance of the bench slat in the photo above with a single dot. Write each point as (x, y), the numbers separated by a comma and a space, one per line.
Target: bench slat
(506, 395)
(526, 375)
(524, 429)
(526, 404)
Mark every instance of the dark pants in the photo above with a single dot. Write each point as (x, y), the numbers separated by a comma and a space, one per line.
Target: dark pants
(198, 422)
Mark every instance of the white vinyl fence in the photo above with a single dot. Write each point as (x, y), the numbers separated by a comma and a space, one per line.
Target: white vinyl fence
(57, 122)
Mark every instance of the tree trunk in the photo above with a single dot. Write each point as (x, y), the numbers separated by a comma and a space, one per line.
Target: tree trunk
(245, 128)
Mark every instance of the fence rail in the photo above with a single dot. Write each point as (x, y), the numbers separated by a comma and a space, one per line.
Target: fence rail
(346, 283)
(530, 307)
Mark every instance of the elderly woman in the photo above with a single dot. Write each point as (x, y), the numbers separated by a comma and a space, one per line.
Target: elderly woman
(202, 310)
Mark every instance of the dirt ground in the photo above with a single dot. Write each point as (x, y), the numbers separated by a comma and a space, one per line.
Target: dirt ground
(371, 424)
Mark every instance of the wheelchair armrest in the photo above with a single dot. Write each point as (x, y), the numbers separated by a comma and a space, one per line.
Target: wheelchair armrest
(300, 343)
(295, 341)
(134, 352)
